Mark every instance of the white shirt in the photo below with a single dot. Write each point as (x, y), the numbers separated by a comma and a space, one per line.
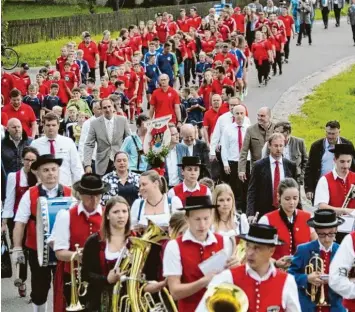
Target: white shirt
(223, 121)
(327, 161)
(9, 203)
(230, 143)
(290, 300)
(24, 208)
(172, 259)
(173, 169)
(109, 128)
(322, 191)
(340, 266)
(71, 169)
(61, 228)
(83, 135)
(273, 166)
(159, 219)
(171, 192)
(241, 227)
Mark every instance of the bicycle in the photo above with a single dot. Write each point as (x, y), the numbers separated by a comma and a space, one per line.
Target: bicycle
(9, 58)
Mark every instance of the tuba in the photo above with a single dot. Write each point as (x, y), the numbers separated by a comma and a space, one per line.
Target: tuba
(316, 264)
(226, 297)
(78, 288)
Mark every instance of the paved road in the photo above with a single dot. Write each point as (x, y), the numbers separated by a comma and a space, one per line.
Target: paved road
(328, 47)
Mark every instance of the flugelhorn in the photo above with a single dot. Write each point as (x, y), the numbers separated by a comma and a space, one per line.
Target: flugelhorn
(349, 196)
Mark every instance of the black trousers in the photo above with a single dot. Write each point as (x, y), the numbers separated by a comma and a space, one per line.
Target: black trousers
(109, 166)
(308, 29)
(337, 11)
(187, 70)
(102, 69)
(325, 15)
(41, 278)
(263, 70)
(353, 29)
(92, 73)
(239, 188)
(287, 47)
(277, 62)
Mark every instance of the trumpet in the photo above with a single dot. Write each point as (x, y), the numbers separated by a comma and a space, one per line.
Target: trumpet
(349, 196)
(78, 287)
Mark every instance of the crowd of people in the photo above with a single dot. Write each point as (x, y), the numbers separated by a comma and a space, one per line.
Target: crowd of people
(225, 208)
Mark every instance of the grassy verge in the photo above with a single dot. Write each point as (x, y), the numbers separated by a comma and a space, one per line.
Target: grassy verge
(21, 11)
(36, 54)
(344, 12)
(332, 100)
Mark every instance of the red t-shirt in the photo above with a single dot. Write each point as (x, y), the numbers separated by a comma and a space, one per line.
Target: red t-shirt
(162, 31)
(210, 120)
(70, 78)
(4, 119)
(132, 78)
(102, 49)
(59, 64)
(63, 93)
(125, 79)
(140, 76)
(190, 47)
(164, 102)
(150, 36)
(43, 89)
(208, 45)
(260, 50)
(259, 24)
(173, 28)
(128, 52)
(135, 42)
(89, 52)
(231, 24)
(21, 82)
(25, 114)
(194, 22)
(183, 24)
(205, 92)
(106, 92)
(288, 22)
(7, 84)
(277, 40)
(217, 85)
(76, 70)
(112, 59)
(221, 57)
(224, 31)
(240, 22)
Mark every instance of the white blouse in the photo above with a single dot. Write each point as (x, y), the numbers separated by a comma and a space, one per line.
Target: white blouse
(241, 227)
(109, 255)
(161, 219)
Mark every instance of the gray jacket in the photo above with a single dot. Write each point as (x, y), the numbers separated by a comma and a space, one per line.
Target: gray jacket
(304, 12)
(351, 14)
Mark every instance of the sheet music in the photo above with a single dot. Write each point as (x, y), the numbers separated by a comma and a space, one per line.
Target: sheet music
(348, 225)
(215, 263)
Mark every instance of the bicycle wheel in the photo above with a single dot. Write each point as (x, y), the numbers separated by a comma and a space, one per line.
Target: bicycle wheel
(9, 58)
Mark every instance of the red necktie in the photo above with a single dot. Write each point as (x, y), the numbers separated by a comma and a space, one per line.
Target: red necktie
(240, 138)
(52, 149)
(276, 182)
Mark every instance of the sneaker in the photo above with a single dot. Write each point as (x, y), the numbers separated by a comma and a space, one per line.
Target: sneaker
(22, 290)
(286, 61)
(246, 89)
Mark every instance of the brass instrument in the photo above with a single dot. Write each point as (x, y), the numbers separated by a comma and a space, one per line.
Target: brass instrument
(316, 264)
(349, 196)
(226, 295)
(154, 233)
(78, 288)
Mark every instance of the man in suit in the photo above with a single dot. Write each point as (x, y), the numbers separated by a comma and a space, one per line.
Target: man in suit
(173, 173)
(325, 224)
(196, 148)
(108, 132)
(266, 176)
(295, 149)
(320, 159)
(254, 140)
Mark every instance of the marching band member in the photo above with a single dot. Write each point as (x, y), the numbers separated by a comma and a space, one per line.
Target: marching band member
(340, 278)
(290, 222)
(325, 223)
(225, 221)
(48, 173)
(191, 168)
(183, 255)
(75, 225)
(267, 288)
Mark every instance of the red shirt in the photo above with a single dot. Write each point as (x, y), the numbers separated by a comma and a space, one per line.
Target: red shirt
(89, 52)
(240, 22)
(338, 189)
(231, 24)
(43, 89)
(132, 78)
(224, 31)
(173, 28)
(162, 31)
(217, 85)
(7, 84)
(260, 50)
(164, 102)
(70, 78)
(140, 76)
(76, 70)
(24, 113)
(190, 48)
(150, 36)
(208, 45)
(106, 92)
(63, 92)
(59, 63)
(221, 57)
(194, 22)
(112, 59)
(135, 42)
(183, 24)
(277, 40)
(21, 82)
(128, 52)
(102, 49)
(205, 92)
(260, 23)
(288, 22)
(4, 119)
(210, 120)
(125, 79)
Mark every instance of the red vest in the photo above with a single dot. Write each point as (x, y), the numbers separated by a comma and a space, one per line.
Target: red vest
(338, 189)
(19, 191)
(261, 295)
(301, 232)
(80, 228)
(179, 192)
(350, 303)
(192, 254)
(31, 239)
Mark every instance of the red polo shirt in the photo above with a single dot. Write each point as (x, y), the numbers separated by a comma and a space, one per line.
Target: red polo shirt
(102, 49)
(24, 113)
(164, 102)
(208, 45)
(194, 22)
(183, 24)
(7, 84)
(210, 120)
(21, 82)
(222, 57)
(59, 64)
(89, 52)
(217, 85)
(288, 22)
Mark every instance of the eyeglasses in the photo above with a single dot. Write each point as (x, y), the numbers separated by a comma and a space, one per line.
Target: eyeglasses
(323, 235)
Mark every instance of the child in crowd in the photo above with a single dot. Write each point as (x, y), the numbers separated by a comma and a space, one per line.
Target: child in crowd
(42, 87)
(141, 86)
(184, 99)
(74, 67)
(120, 88)
(95, 93)
(48, 66)
(116, 100)
(79, 103)
(34, 99)
(71, 119)
(105, 89)
(52, 99)
(75, 129)
(201, 67)
(90, 84)
(58, 110)
(83, 65)
(152, 73)
(64, 92)
(84, 95)
(195, 109)
(69, 77)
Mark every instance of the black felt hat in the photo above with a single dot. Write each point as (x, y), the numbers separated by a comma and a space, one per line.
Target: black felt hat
(191, 161)
(46, 159)
(91, 184)
(262, 234)
(343, 149)
(324, 219)
(197, 203)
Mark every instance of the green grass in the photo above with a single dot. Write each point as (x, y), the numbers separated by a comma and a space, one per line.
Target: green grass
(36, 54)
(332, 100)
(344, 12)
(20, 11)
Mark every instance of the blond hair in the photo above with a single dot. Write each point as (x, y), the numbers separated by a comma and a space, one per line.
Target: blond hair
(219, 189)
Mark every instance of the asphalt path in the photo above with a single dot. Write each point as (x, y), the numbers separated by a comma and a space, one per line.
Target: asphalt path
(328, 47)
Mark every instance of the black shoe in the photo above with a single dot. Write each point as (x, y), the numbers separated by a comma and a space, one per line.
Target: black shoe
(298, 44)
(265, 82)
(325, 26)
(337, 25)
(310, 43)
(286, 61)
(274, 73)
(280, 73)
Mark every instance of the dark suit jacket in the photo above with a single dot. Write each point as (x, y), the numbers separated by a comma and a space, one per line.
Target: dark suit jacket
(314, 164)
(181, 151)
(260, 189)
(202, 150)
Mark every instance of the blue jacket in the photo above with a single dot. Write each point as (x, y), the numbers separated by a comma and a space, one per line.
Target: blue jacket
(299, 261)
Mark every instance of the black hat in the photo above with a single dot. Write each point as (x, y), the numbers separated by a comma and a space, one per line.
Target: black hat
(262, 234)
(324, 219)
(343, 149)
(25, 66)
(46, 159)
(191, 161)
(86, 34)
(91, 184)
(198, 202)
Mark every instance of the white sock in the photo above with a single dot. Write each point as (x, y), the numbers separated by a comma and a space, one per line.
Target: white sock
(39, 308)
